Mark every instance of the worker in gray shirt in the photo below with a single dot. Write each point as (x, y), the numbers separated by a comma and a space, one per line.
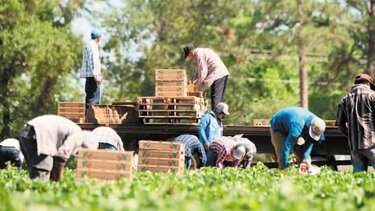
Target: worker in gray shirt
(211, 72)
(48, 141)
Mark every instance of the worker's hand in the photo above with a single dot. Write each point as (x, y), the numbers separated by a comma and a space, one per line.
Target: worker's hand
(206, 146)
(300, 141)
(304, 168)
(220, 165)
(98, 82)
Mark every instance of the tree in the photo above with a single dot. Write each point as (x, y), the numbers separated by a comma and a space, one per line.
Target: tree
(37, 52)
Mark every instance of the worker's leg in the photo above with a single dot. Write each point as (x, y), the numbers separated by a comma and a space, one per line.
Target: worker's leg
(369, 155)
(211, 158)
(217, 91)
(359, 162)
(92, 92)
(277, 140)
(187, 162)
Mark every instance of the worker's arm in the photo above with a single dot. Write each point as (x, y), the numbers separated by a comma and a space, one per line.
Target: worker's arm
(203, 124)
(202, 71)
(295, 130)
(96, 62)
(342, 119)
(70, 146)
(221, 154)
(306, 154)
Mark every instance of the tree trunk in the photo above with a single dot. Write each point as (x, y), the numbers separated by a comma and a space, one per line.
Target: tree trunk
(303, 76)
(371, 42)
(302, 60)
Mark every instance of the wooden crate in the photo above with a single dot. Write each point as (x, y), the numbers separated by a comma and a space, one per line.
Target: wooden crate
(103, 164)
(331, 123)
(158, 156)
(260, 122)
(74, 111)
(170, 75)
(161, 146)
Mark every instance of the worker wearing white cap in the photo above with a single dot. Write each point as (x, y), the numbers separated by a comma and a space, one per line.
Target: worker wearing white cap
(10, 152)
(295, 125)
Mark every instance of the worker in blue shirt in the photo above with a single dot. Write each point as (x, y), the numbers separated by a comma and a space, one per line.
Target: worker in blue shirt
(211, 127)
(295, 125)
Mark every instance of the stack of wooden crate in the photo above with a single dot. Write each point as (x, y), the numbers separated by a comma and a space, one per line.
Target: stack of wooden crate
(170, 83)
(157, 156)
(72, 110)
(171, 110)
(103, 164)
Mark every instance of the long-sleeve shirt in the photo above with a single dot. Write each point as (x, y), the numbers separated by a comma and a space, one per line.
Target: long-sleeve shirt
(109, 136)
(91, 62)
(209, 128)
(209, 67)
(193, 146)
(223, 148)
(293, 122)
(251, 150)
(355, 117)
(56, 136)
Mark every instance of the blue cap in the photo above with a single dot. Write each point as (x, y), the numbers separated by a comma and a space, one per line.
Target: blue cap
(95, 34)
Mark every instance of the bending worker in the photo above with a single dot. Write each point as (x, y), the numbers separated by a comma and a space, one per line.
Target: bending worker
(10, 152)
(48, 141)
(192, 147)
(291, 124)
(108, 138)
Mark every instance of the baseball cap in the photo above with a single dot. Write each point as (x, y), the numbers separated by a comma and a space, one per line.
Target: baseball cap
(221, 108)
(317, 128)
(187, 50)
(95, 34)
(360, 78)
(239, 152)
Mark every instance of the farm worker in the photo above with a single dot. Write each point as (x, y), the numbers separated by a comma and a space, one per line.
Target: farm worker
(192, 147)
(227, 152)
(108, 138)
(250, 150)
(211, 126)
(290, 124)
(10, 152)
(48, 141)
(210, 72)
(91, 69)
(355, 119)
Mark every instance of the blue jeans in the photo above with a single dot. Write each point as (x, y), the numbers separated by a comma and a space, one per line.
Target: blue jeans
(10, 154)
(361, 159)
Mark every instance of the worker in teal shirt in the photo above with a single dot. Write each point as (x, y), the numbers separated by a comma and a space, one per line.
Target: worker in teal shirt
(291, 126)
(211, 126)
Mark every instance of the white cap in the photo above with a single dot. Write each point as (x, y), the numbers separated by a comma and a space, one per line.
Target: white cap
(221, 108)
(317, 128)
(239, 152)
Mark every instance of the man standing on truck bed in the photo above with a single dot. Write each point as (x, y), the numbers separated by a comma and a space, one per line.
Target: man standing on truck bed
(91, 69)
(211, 72)
(355, 119)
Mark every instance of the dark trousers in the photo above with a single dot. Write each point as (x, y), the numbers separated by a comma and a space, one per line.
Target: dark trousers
(9, 154)
(218, 91)
(92, 92)
(211, 158)
(187, 162)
